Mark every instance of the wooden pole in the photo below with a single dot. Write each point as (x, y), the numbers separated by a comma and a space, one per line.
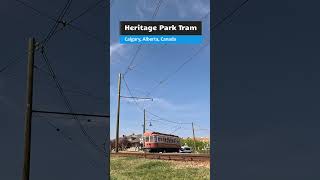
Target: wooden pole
(28, 115)
(118, 114)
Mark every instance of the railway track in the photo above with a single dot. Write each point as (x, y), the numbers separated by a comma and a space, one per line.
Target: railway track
(165, 156)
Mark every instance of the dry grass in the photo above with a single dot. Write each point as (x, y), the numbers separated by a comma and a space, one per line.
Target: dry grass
(125, 168)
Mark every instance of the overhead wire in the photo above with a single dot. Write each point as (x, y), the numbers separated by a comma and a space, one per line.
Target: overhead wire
(59, 20)
(78, 90)
(51, 33)
(149, 112)
(229, 15)
(67, 102)
(10, 63)
(177, 69)
(140, 45)
(87, 34)
(187, 60)
(68, 139)
(87, 10)
(24, 3)
(218, 24)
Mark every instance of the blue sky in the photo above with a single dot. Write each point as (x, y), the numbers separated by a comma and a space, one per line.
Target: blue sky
(185, 97)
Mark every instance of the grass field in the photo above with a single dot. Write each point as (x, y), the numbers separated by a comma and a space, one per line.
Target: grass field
(130, 168)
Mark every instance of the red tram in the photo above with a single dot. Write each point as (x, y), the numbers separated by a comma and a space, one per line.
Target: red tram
(159, 142)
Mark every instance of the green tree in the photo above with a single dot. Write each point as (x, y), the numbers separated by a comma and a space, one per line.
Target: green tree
(200, 146)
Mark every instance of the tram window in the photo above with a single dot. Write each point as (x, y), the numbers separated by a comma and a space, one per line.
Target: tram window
(155, 138)
(151, 138)
(147, 139)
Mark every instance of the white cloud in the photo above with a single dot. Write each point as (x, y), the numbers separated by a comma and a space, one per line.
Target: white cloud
(117, 52)
(115, 48)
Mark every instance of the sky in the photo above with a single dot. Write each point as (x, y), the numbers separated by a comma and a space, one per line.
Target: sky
(266, 95)
(185, 97)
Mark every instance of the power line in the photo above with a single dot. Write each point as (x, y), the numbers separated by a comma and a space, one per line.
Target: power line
(132, 59)
(72, 91)
(51, 33)
(149, 112)
(78, 90)
(175, 130)
(218, 24)
(67, 102)
(183, 64)
(126, 84)
(229, 15)
(178, 68)
(71, 114)
(87, 34)
(87, 10)
(67, 138)
(58, 21)
(58, 129)
(11, 63)
(24, 3)
(164, 119)
(65, 23)
(157, 9)
(58, 116)
(140, 45)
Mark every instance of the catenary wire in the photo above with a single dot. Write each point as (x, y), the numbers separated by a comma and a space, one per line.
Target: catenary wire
(67, 102)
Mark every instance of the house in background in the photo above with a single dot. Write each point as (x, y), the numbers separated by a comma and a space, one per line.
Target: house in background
(136, 142)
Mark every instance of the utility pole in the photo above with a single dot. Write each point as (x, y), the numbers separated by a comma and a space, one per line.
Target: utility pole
(194, 138)
(28, 115)
(144, 121)
(118, 114)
